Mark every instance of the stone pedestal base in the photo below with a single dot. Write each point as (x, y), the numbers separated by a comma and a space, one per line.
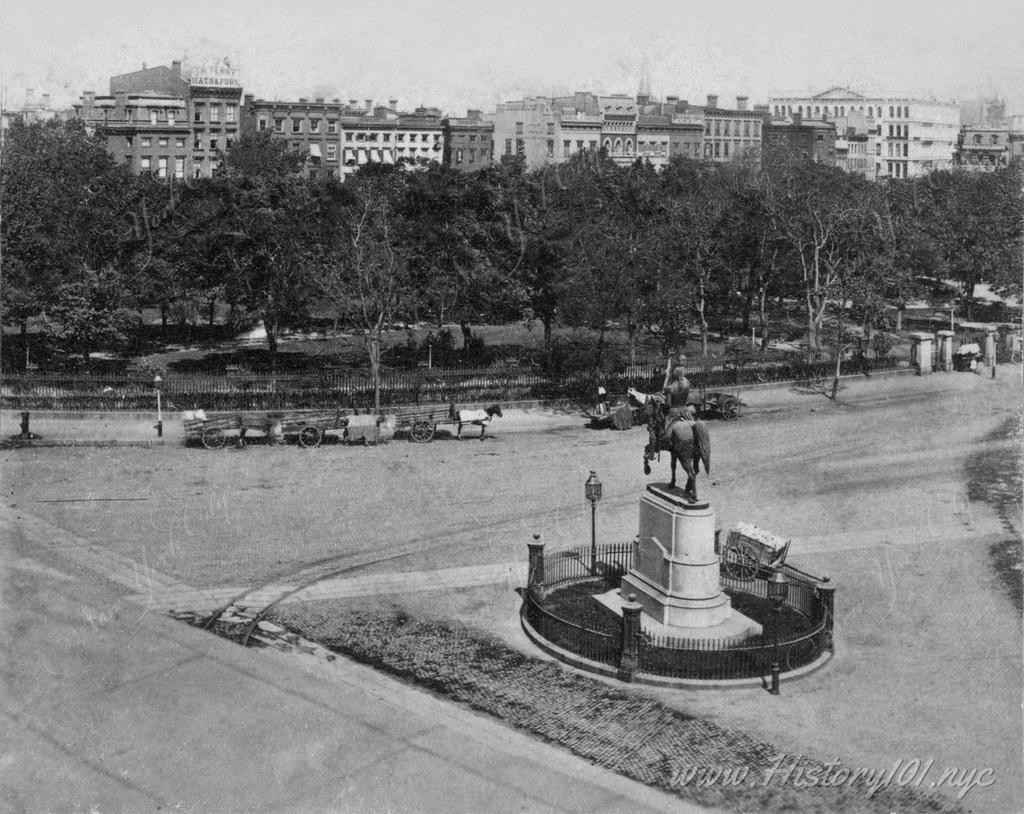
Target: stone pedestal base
(675, 573)
(736, 626)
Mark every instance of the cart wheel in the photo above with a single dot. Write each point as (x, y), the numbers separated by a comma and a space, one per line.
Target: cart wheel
(730, 409)
(740, 561)
(421, 431)
(214, 438)
(310, 437)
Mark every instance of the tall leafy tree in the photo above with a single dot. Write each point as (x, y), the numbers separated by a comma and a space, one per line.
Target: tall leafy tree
(65, 207)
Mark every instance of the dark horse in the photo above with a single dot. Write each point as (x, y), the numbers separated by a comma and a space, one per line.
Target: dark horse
(684, 438)
(479, 417)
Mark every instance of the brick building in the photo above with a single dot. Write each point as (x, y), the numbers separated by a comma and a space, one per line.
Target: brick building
(157, 121)
(338, 138)
(812, 139)
(983, 148)
(732, 134)
(468, 142)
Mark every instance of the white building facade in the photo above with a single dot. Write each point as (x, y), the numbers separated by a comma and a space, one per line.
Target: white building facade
(906, 137)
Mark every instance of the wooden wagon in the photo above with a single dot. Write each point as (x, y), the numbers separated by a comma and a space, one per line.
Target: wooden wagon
(721, 405)
(748, 549)
(421, 424)
(308, 428)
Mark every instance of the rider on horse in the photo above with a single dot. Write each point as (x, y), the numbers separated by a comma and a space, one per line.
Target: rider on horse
(676, 390)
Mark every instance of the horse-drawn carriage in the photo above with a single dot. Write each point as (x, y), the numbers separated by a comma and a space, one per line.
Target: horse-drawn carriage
(615, 415)
(748, 549)
(719, 405)
(421, 423)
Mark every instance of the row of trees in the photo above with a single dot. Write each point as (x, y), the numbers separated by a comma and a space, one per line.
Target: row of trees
(584, 243)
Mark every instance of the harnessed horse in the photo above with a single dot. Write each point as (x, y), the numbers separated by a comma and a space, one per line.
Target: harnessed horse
(480, 418)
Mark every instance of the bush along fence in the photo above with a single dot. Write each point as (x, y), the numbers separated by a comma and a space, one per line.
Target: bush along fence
(353, 389)
(559, 611)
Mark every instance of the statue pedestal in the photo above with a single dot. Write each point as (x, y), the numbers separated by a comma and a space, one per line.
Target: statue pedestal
(675, 570)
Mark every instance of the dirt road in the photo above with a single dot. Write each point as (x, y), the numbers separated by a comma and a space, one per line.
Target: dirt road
(872, 490)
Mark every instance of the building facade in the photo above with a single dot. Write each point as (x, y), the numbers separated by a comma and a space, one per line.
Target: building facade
(813, 139)
(732, 134)
(545, 130)
(336, 139)
(157, 121)
(909, 137)
(468, 142)
(983, 149)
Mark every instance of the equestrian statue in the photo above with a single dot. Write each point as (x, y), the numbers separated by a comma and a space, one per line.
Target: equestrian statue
(672, 426)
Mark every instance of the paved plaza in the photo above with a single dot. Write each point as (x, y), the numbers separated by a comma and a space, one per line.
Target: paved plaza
(137, 711)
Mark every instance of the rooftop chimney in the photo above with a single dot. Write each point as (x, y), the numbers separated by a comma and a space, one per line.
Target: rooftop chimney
(741, 102)
(393, 104)
(303, 99)
(46, 101)
(320, 100)
(369, 104)
(475, 115)
(712, 100)
(176, 69)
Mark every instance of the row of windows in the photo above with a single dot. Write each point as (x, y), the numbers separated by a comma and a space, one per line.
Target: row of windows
(722, 128)
(230, 113)
(895, 111)
(897, 152)
(897, 131)
(146, 165)
(460, 154)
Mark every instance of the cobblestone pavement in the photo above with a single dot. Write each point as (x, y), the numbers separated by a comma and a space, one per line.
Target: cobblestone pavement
(627, 733)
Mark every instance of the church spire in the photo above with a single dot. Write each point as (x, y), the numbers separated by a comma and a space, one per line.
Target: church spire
(643, 94)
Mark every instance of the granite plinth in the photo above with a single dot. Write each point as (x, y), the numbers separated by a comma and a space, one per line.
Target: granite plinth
(735, 626)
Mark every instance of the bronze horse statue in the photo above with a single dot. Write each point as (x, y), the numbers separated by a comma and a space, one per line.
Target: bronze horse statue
(681, 435)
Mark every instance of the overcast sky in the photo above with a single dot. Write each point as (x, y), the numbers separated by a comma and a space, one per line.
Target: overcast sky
(456, 55)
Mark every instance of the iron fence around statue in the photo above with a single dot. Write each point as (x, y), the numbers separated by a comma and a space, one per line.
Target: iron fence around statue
(809, 601)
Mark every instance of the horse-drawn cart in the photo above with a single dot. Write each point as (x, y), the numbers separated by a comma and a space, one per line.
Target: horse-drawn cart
(308, 428)
(723, 405)
(420, 424)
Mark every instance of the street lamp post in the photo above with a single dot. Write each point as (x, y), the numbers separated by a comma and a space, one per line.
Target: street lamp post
(592, 489)
(159, 412)
(778, 591)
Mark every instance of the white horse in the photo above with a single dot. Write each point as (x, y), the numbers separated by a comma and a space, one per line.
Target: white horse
(480, 418)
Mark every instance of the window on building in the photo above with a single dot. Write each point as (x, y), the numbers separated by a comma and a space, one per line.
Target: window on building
(472, 139)
(213, 143)
(332, 152)
(725, 149)
(148, 142)
(279, 125)
(197, 113)
(566, 147)
(717, 149)
(332, 126)
(161, 167)
(400, 136)
(261, 124)
(472, 155)
(508, 146)
(551, 128)
(231, 112)
(593, 145)
(707, 128)
(145, 163)
(718, 128)
(746, 128)
(215, 114)
(519, 128)
(551, 148)
(725, 129)
(128, 142)
(153, 117)
(757, 129)
(891, 114)
(228, 142)
(171, 117)
(458, 156)
(179, 168)
(196, 171)
(906, 150)
(296, 125)
(197, 143)
(162, 141)
(314, 125)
